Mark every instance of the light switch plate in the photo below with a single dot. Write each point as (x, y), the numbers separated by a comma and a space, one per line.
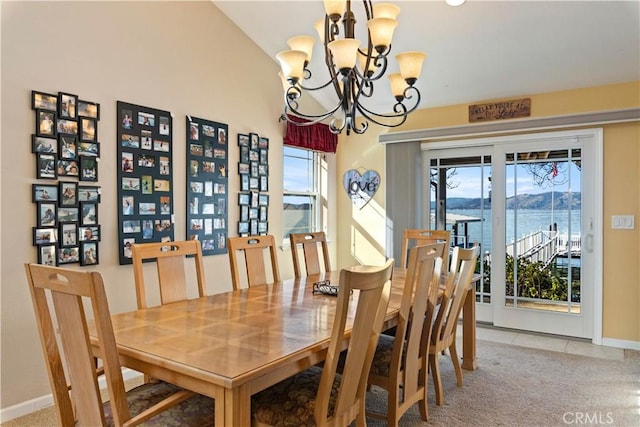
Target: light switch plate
(623, 222)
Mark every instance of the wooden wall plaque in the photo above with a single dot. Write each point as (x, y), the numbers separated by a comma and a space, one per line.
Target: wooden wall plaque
(500, 110)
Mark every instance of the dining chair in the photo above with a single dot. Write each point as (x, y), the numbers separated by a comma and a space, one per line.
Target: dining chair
(414, 237)
(255, 248)
(400, 363)
(59, 298)
(311, 243)
(170, 262)
(321, 396)
(443, 335)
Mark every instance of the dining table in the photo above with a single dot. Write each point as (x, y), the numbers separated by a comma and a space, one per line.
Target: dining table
(234, 344)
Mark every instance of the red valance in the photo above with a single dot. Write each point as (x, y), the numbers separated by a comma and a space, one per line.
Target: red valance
(315, 137)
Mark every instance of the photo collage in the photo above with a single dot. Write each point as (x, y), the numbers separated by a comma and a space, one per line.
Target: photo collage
(253, 169)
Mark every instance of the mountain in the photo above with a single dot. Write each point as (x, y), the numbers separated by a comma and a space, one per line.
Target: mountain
(539, 201)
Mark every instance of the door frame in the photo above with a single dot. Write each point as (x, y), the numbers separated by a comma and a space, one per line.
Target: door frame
(594, 180)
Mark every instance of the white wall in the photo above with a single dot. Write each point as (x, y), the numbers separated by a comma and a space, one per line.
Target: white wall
(184, 57)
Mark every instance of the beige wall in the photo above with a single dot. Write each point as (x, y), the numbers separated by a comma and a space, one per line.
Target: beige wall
(621, 266)
(184, 57)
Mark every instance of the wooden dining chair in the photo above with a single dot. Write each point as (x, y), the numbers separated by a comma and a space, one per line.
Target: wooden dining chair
(63, 293)
(255, 249)
(443, 335)
(400, 363)
(311, 243)
(414, 237)
(170, 262)
(321, 396)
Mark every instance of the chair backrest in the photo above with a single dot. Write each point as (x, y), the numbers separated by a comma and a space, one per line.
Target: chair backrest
(254, 248)
(69, 290)
(170, 262)
(373, 286)
(417, 309)
(414, 237)
(309, 243)
(463, 265)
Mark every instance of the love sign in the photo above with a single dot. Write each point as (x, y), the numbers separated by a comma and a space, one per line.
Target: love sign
(360, 188)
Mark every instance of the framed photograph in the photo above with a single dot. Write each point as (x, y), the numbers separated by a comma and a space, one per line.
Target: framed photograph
(264, 183)
(88, 253)
(146, 119)
(254, 199)
(262, 227)
(244, 199)
(88, 129)
(264, 214)
(263, 169)
(67, 147)
(253, 227)
(44, 101)
(67, 106)
(68, 193)
(254, 184)
(264, 156)
(254, 155)
(68, 255)
(88, 193)
(263, 200)
(263, 142)
(44, 235)
(69, 127)
(45, 123)
(243, 168)
(88, 168)
(45, 166)
(47, 214)
(67, 168)
(41, 144)
(90, 149)
(243, 140)
(243, 227)
(253, 141)
(44, 193)
(244, 154)
(47, 255)
(88, 109)
(244, 182)
(253, 213)
(254, 169)
(68, 234)
(244, 213)
(89, 212)
(89, 233)
(68, 214)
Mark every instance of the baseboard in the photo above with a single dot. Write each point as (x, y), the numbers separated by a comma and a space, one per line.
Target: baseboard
(629, 345)
(33, 405)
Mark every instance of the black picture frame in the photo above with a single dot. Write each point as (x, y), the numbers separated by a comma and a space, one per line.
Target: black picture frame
(89, 149)
(89, 232)
(244, 199)
(68, 193)
(88, 213)
(88, 168)
(243, 228)
(243, 168)
(263, 142)
(67, 105)
(88, 129)
(44, 193)
(44, 101)
(244, 213)
(46, 124)
(44, 144)
(263, 216)
(264, 183)
(45, 235)
(46, 214)
(263, 227)
(68, 168)
(48, 255)
(67, 147)
(244, 182)
(89, 193)
(68, 214)
(253, 141)
(253, 227)
(263, 200)
(68, 234)
(89, 253)
(46, 166)
(88, 109)
(243, 140)
(70, 255)
(67, 126)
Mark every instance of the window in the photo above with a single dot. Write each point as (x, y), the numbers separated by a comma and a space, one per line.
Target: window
(301, 191)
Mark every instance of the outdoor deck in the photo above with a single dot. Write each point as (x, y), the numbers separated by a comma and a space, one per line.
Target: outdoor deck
(545, 246)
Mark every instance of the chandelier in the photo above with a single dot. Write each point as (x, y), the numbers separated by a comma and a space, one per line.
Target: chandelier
(353, 70)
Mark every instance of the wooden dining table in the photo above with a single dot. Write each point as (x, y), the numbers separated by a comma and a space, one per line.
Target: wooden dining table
(232, 345)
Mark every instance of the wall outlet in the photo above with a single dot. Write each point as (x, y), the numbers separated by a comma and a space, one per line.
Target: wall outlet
(623, 222)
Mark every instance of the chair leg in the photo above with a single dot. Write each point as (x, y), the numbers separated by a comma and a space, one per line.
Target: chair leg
(437, 381)
(424, 382)
(456, 363)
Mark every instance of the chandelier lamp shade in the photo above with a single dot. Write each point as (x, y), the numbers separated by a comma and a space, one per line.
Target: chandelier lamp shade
(354, 65)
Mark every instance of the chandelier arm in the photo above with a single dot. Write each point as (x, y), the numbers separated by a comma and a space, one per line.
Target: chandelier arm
(322, 86)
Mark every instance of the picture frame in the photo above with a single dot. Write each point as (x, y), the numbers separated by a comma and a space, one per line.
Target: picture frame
(89, 253)
(264, 183)
(89, 193)
(88, 109)
(48, 255)
(44, 193)
(90, 232)
(263, 142)
(45, 235)
(43, 144)
(253, 141)
(263, 216)
(263, 200)
(68, 234)
(243, 168)
(69, 255)
(243, 228)
(45, 123)
(68, 193)
(244, 213)
(263, 169)
(44, 101)
(67, 168)
(254, 169)
(45, 166)
(254, 199)
(253, 227)
(243, 140)
(244, 182)
(67, 147)
(88, 168)
(244, 199)
(47, 214)
(68, 214)
(264, 156)
(89, 213)
(253, 213)
(67, 126)
(244, 154)
(88, 129)
(67, 106)
(89, 149)
(263, 227)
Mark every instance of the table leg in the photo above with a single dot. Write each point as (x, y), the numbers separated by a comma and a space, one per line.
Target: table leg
(469, 331)
(237, 407)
